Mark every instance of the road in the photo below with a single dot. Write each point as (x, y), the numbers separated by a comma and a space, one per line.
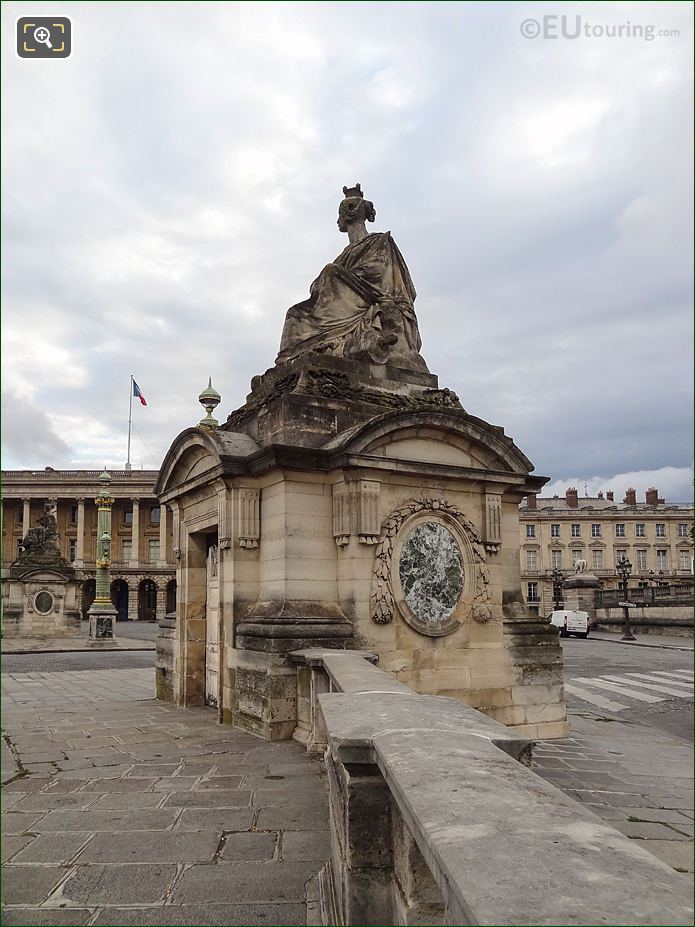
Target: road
(597, 659)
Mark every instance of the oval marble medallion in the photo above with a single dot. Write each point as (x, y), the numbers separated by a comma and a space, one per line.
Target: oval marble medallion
(431, 572)
(43, 602)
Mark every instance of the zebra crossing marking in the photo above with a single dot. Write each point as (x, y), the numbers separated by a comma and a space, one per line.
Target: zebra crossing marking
(685, 675)
(630, 686)
(664, 680)
(668, 690)
(619, 690)
(594, 698)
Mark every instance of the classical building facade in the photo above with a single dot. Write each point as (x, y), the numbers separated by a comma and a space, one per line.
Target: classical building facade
(143, 574)
(655, 535)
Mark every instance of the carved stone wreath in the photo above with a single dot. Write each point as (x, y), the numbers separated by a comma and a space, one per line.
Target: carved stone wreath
(382, 597)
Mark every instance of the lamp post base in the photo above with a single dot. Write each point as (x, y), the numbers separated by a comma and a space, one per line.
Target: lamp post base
(102, 624)
(628, 637)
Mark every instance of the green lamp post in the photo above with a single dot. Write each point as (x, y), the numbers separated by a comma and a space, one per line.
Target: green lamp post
(102, 614)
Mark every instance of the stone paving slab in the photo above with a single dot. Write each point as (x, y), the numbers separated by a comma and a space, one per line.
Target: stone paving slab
(43, 917)
(124, 884)
(8, 764)
(170, 832)
(245, 881)
(212, 915)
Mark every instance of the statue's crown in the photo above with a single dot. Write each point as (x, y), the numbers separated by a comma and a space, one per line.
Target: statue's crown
(353, 191)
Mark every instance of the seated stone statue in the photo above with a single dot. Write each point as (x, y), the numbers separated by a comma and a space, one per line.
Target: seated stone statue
(43, 538)
(361, 305)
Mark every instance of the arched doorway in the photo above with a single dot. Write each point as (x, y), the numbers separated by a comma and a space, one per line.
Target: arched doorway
(89, 594)
(147, 600)
(119, 597)
(171, 597)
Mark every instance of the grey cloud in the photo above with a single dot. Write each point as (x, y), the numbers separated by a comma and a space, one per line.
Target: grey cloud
(28, 438)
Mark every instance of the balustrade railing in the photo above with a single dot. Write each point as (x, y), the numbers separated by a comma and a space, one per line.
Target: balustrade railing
(646, 595)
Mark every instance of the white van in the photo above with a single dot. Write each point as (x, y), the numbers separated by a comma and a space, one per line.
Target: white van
(570, 622)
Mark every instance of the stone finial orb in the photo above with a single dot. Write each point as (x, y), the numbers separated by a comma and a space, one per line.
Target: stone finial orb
(209, 400)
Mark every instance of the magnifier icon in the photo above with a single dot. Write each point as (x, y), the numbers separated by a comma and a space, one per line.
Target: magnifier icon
(43, 36)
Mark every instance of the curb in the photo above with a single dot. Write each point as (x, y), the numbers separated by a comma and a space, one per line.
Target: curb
(10, 653)
(610, 640)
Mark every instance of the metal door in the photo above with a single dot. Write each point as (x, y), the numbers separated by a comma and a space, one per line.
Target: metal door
(212, 624)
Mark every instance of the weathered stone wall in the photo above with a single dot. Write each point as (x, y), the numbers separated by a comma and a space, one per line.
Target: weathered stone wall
(311, 537)
(165, 664)
(675, 619)
(21, 616)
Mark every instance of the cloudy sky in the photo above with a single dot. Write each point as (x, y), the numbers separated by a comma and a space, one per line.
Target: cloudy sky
(172, 187)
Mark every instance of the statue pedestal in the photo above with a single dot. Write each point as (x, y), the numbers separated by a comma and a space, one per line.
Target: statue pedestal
(102, 626)
(41, 602)
(579, 593)
(347, 511)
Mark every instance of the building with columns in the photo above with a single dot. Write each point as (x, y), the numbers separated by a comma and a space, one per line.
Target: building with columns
(143, 586)
(655, 535)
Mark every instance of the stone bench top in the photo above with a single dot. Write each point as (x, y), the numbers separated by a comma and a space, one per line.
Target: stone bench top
(314, 656)
(354, 720)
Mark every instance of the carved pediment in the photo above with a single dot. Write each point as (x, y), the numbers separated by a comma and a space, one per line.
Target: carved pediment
(437, 447)
(449, 439)
(194, 462)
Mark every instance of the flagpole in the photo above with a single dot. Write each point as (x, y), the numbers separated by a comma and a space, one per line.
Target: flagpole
(130, 420)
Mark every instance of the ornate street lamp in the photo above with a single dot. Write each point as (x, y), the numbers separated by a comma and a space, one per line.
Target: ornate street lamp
(558, 581)
(102, 614)
(624, 569)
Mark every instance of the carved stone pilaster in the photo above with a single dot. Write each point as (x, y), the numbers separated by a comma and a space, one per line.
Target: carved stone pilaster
(341, 514)
(493, 522)
(249, 518)
(224, 519)
(176, 532)
(356, 511)
(367, 506)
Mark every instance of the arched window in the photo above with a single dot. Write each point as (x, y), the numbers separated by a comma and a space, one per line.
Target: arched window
(119, 597)
(147, 600)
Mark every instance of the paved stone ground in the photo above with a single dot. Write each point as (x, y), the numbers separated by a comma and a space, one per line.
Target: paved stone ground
(638, 779)
(135, 812)
(77, 687)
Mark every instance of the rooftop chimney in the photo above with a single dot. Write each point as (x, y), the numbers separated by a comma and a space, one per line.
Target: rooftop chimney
(630, 497)
(571, 497)
(531, 500)
(609, 495)
(652, 496)
(600, 495)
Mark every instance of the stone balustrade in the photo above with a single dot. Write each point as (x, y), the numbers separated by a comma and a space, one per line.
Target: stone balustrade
(437, 819)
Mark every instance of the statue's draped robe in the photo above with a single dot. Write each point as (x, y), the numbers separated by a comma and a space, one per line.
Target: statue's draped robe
(347, 298)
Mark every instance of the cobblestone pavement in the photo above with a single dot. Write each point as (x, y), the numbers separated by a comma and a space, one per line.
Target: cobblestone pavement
(134, 812)
(638, 779)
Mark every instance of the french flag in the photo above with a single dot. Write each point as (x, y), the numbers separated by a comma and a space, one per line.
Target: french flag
(138, 394)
